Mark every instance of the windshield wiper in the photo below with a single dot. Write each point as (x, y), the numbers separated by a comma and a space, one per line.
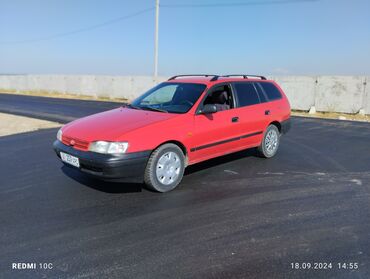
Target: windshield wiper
(154, 109)
(133, 107)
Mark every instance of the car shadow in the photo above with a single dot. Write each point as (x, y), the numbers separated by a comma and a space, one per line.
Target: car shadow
(101, 185)
(124, 187)
(221, 160)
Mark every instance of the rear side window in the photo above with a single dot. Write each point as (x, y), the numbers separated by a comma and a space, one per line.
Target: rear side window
(271, 91)
(261, 93)
(247, 94)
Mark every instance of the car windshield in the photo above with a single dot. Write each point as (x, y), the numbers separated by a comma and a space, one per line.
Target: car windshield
(170, 97)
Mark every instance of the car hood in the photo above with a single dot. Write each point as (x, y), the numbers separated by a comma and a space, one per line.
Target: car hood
(111, 125)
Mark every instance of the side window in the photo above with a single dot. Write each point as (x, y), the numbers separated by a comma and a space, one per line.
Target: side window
(261, 93)
(246, 93)
(221, 97)
(271, 91)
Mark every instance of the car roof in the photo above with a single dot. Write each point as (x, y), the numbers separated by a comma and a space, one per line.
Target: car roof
(214, 79)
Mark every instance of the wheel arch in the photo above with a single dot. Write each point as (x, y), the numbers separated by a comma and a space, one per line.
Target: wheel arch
(277, 124)
(179, 144)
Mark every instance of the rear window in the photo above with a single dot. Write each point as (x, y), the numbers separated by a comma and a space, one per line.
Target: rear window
(247, 94)
(271, 91)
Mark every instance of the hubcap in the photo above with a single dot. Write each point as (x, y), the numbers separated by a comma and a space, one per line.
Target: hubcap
(168, 168)
(271, 141)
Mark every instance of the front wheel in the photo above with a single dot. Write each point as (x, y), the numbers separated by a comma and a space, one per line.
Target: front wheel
(165, 168)
(270, 142)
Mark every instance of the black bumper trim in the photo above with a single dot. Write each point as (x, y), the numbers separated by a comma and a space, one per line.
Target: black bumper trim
(285, 126)
(128, 167)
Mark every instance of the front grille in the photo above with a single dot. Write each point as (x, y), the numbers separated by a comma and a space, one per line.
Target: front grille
(78, 144)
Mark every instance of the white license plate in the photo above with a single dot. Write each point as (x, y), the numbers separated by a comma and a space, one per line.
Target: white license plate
(72, 160)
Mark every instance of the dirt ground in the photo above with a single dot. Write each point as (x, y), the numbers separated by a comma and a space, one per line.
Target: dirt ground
(334, 115)
(49, 94)
(14, 124)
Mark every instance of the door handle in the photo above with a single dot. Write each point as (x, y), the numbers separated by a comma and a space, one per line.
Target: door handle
(235, 119)
(267, 112)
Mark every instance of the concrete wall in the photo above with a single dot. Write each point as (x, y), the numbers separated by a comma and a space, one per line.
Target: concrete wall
(300, 90)
(103, 86)
(366, 96)
(349, 94)
(340, 94)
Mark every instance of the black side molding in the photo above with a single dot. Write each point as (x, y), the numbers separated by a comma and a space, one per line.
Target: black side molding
(225, 141)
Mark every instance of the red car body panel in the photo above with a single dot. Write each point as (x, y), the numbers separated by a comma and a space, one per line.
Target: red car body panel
(113, 124)
(202, 136)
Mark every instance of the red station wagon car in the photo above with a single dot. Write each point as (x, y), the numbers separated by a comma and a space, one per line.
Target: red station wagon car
(180, 122)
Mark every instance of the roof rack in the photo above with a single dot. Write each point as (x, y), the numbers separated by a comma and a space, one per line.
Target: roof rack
(216, 77)
(245, 76)
(213, 76)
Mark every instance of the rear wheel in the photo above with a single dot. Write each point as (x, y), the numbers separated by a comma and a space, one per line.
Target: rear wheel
(165, 168)
(270, 142)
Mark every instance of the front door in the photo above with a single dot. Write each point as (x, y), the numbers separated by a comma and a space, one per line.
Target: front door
(217, 133)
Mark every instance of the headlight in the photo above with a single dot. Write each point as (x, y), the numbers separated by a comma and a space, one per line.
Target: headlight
(59, 134)
(106, 147)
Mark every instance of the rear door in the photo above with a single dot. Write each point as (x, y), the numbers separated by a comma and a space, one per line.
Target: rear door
(254, 116)
(276, 106)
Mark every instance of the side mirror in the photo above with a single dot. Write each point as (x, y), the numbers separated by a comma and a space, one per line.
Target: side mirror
(209, 108)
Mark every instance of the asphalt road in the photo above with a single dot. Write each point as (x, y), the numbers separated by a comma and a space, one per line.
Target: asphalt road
(52, 109)
(238, 216)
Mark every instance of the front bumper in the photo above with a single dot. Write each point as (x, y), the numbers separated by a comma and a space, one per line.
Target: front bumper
(127, 167)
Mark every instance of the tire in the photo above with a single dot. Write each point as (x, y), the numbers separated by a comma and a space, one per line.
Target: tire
(270, 142)
(165, 168)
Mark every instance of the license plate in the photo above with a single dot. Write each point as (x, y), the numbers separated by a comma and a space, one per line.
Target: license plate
(72, 160)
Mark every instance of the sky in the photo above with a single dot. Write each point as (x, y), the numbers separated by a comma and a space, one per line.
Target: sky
(312, 37)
